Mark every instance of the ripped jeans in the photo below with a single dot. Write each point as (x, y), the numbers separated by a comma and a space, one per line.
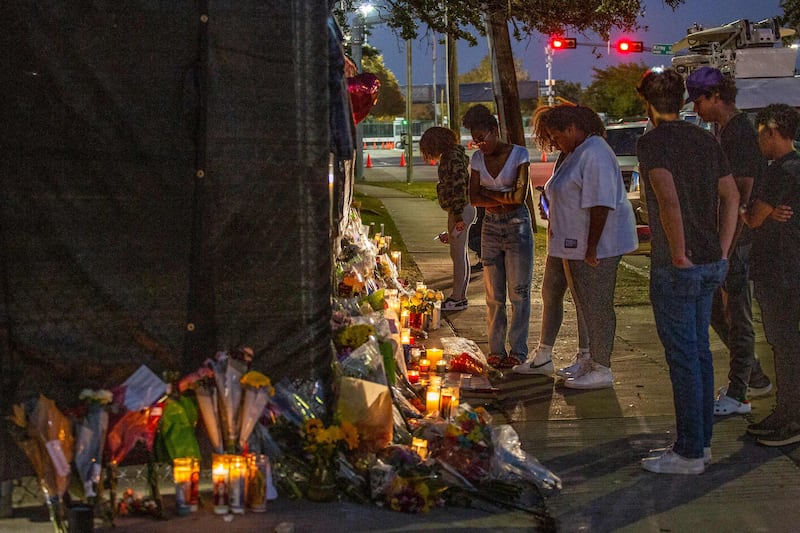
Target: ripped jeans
(507, 256)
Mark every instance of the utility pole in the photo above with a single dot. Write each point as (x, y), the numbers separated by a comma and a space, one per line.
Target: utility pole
(409, 147)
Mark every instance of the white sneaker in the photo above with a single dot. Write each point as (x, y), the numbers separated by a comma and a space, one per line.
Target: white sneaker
(662, 451)
(672, 463)
(578, 367)
(537, 363)
(724, 405)
(599, 377)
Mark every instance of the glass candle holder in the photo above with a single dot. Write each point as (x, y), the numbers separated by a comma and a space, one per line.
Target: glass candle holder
(219, 478)
(424, 365)
(182, 475)
(413, 376)
(434, 355)
(432, 400)
(236, 476)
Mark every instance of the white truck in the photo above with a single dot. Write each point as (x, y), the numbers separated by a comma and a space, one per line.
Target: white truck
(756, 54)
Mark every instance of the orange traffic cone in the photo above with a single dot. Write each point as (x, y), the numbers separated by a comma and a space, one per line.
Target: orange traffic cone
(544, 156)
(431, 162)
(365, 145)
(369, 161)
(403, 159)
(374, 146)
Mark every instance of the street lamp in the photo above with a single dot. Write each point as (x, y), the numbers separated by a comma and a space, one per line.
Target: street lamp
(357, 40)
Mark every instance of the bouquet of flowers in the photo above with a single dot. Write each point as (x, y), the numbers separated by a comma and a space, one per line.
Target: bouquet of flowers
(45, 435)
(228, 374)
(419, 302)
(257, 392)
(321, 443)
(412, 486)
(90, 438)
(467, 443)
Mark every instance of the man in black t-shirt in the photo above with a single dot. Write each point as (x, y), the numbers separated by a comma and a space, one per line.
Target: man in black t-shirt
(692, 202)
(714, 98)
(775, 267)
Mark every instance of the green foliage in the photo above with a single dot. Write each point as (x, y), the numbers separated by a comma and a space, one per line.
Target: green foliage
(458, 17)
(483, 72)
(613, 91)
(391, 101)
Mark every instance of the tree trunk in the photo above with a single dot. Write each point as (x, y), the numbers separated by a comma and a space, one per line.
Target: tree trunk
(504, 85)
(454, 120)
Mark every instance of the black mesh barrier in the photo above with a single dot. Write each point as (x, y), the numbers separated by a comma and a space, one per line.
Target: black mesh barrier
(164, 184)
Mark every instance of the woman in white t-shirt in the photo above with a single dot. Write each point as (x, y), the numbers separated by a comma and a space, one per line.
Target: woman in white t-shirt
(591, 226)
(499, 182)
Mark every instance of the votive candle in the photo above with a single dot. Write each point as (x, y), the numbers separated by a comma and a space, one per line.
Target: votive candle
(432, 400)
(219, 477)
(413, 375)
(424, 365)
(434, 355)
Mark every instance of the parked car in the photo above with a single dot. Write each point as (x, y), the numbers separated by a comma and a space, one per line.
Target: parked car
(622, 138)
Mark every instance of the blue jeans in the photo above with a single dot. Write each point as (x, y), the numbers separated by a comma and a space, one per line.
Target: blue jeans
(507, 256)
(732, 320)
(681, 299)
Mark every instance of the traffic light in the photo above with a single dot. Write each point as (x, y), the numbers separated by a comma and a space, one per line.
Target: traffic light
(626, 46)
(562, 43)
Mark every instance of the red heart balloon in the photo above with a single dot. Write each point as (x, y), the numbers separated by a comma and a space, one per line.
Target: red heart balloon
(363, 94)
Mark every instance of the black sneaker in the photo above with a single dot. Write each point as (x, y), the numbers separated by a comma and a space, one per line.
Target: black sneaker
(770, 424)
(454, 305)
(477, 267)
(787, 434)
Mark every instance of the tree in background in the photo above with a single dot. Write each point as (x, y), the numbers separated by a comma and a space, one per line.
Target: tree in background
(483, 74)
(613, 91)
(456, 18)
(791, 14)
(391, 102)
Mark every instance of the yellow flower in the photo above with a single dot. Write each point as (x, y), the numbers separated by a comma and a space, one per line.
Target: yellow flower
(256, 379)
(350, 435)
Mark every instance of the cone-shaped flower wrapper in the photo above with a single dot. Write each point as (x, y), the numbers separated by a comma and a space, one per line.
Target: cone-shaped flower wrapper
(90, 439)
(53, 432)
(227, 376)
(257, 390)
(207, 404)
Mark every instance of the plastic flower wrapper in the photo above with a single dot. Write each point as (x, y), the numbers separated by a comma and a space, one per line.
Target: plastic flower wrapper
(366, 362)
(227, 377)
(45, 435)
(132, 428)
(177, 428)
(142, 389)
(90, 438)
(206, 396)
(464, 356)
(351, 337)
(511, 463)
(257, 391)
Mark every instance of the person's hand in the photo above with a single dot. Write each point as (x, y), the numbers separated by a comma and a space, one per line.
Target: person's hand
(782, 213)
(444, 237)
(682, 262)
(591, 257)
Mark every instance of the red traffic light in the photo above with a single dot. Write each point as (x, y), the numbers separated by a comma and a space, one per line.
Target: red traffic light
(561, 43)
(626, 46)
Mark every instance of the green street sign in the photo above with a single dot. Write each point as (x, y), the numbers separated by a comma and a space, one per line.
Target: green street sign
(662, 49)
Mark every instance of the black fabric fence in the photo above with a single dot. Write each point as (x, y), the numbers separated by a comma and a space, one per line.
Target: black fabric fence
(164, 183)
